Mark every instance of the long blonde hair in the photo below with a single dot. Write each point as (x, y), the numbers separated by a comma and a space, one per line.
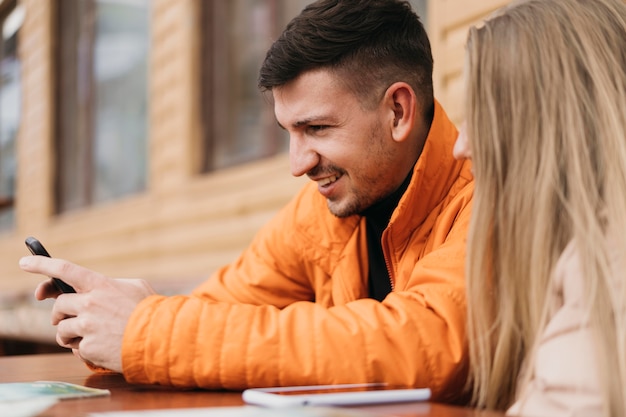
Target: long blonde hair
(546, 117)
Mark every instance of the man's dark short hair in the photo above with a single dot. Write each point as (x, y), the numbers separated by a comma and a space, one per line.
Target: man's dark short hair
(368, 44)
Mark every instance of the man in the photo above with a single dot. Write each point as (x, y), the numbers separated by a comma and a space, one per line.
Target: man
(359, 278)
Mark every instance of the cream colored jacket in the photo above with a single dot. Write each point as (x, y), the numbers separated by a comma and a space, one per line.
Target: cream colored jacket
(565, 380)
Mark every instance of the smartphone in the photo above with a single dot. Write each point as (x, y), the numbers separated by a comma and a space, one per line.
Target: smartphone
(329, 395)
(36, 248)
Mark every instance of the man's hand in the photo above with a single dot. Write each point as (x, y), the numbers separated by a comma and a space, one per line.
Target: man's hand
(92, 321)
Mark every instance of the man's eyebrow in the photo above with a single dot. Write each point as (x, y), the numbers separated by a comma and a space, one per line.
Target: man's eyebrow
(305, 122)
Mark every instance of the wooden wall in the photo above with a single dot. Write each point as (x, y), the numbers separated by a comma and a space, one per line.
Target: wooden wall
(448, 22)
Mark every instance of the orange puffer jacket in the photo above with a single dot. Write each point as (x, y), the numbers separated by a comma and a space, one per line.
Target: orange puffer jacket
(292, 310)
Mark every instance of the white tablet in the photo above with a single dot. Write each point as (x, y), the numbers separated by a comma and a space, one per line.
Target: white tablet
(324, 395)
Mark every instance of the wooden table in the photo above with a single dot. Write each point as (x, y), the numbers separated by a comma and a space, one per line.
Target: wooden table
(65, 367)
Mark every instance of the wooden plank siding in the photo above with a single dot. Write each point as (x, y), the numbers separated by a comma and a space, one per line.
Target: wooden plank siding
(449, 21)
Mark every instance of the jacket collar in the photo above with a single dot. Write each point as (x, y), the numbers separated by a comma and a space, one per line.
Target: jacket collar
(434, 174)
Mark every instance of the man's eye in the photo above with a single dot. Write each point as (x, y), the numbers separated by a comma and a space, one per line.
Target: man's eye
(316, 128)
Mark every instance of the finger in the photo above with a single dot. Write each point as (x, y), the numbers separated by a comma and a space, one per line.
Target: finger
(67, 333)
(82, 279)
(70, 343)
(65, 307)
(46, 289)
(76, 352)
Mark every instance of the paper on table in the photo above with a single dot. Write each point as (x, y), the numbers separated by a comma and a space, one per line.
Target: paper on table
(26, 399)
(240, 411)
(26, 407)
(14, 391)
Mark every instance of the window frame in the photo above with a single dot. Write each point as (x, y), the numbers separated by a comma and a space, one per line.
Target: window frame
(7, 202)
(215, 46)
(76, 114)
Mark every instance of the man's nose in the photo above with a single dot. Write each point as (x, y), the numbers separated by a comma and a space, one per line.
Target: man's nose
(302, 158)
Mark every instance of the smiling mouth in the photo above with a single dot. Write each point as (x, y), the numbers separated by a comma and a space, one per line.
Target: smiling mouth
(328, 180)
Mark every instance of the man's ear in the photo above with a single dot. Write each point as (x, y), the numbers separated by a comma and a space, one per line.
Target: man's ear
(401, 101)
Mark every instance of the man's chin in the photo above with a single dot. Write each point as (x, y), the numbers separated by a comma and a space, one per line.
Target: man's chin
(340, 210)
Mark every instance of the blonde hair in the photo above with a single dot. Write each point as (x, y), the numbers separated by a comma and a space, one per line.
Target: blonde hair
(546, 117)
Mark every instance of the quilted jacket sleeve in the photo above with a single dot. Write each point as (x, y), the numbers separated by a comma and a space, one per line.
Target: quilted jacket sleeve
(273, 319)
(565, 379)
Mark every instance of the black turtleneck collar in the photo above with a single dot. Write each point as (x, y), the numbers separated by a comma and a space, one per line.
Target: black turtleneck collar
(377, 218)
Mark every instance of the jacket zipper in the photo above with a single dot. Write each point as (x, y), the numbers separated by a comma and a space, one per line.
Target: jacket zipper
(390, 271)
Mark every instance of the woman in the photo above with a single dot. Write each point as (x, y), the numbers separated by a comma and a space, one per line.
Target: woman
(546, 130)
